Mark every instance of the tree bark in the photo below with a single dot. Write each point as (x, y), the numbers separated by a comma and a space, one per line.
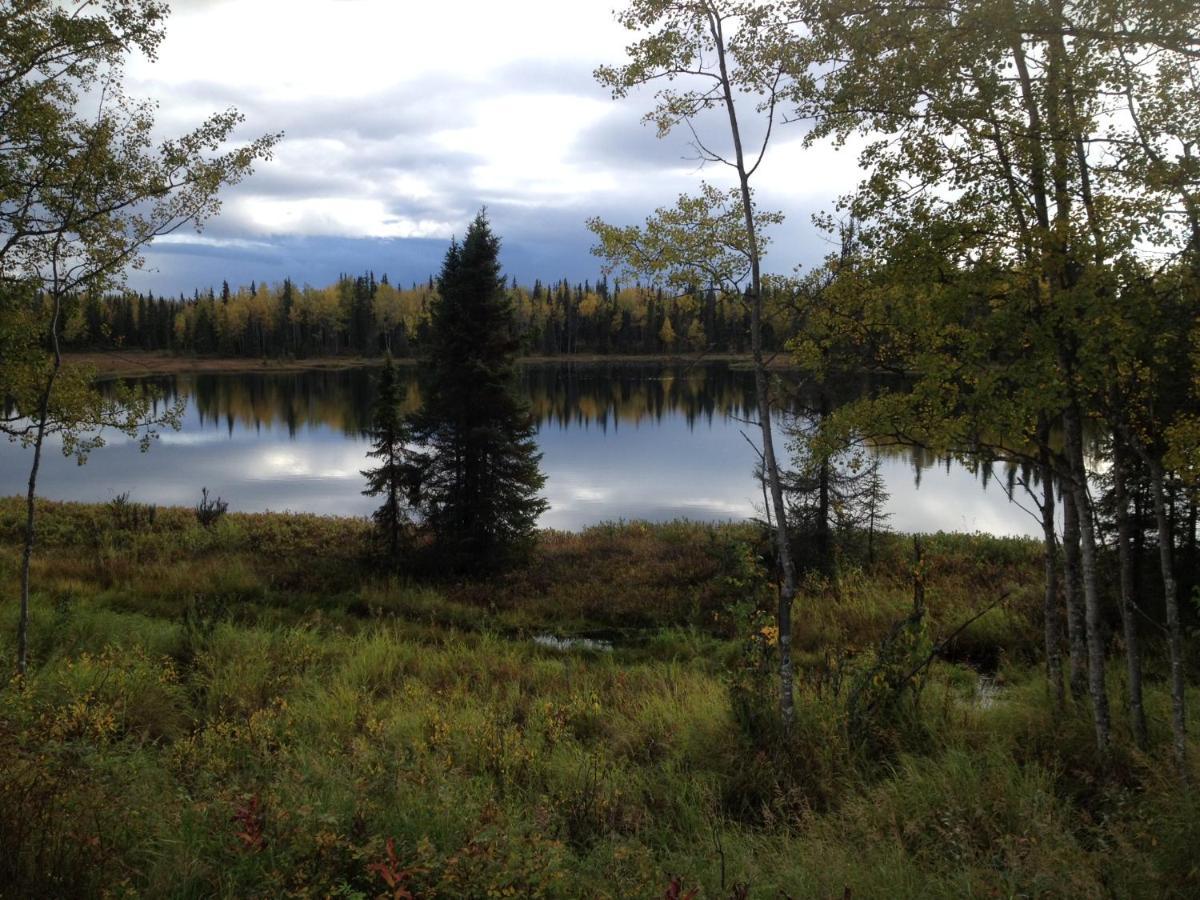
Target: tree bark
(1189, 538)
(1054, 674)
(30, 530)
(1091, 595)
(31, 493)
(1073, 595)
(1133, 658)
(1174, 627)
(824, 541)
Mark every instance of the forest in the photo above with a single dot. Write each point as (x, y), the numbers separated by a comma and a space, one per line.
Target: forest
(368, 317)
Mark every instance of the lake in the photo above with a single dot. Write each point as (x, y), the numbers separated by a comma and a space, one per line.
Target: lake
(619, 441)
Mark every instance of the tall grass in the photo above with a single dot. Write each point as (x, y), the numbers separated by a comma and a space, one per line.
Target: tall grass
(247, 711)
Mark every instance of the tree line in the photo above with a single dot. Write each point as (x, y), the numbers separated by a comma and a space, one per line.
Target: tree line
(366, 316)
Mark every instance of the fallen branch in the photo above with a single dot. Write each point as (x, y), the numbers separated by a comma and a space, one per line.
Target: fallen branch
(942, 645)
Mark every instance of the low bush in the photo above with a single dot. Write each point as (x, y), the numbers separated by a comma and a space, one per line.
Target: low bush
(209, 511)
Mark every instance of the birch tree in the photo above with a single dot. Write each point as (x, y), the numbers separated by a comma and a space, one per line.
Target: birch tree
(710, 60)
(1026, 144)
(83, 190)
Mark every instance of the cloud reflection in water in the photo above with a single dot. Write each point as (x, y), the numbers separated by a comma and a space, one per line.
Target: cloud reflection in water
(618, 442)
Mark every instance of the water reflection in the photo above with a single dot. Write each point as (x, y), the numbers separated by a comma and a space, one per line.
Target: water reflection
(604, 396)
(619, 441)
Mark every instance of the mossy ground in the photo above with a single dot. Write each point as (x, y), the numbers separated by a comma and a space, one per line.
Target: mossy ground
(252, 710)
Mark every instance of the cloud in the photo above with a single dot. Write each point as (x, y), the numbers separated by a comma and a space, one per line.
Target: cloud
(206, 240)
(621, 140)
(401, 121)
(343, 216)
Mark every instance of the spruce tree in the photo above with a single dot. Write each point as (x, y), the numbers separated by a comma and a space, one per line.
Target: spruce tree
(479, 465)
(393, 477)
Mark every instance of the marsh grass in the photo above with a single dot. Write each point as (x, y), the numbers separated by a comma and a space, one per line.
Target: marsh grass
(247, 710)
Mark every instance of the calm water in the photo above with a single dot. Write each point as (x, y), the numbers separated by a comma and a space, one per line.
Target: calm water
(619, 442)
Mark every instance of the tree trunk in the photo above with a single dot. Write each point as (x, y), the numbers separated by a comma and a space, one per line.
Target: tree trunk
(1054, 675)
(1059, 267)
(824, 541)
(1073, 594)
(393, 505)
(1133, 658)
(787, 585)
(30, 528)
(787, 571)
(1189, 538)
(1139, 540)
(1091, 595)
(1174, 628)
(31, 494)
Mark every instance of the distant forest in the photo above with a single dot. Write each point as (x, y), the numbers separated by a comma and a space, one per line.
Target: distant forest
(365, 316)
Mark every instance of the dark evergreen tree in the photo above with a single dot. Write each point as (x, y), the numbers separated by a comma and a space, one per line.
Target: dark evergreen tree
(866, 509)
(479, 465)
(287, 300)
(835, 491)
(393, 478)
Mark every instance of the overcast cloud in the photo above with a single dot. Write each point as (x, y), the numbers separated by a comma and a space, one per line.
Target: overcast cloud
(404, 118)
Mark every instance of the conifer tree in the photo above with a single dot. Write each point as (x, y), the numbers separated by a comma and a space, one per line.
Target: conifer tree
(873, 498)
(479, 467)
(393, 477)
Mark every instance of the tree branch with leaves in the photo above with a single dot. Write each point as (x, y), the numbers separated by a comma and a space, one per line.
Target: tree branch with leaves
(81, 196)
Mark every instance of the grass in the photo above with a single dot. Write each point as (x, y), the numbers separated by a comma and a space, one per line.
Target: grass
(245, 710)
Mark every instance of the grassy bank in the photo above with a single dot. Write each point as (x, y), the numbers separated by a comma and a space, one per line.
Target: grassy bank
(148, 362)
(247, 710)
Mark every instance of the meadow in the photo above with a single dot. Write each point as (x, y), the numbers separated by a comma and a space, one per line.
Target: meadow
(254, 708)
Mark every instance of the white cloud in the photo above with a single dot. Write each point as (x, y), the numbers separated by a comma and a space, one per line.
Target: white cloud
(204, 240)
(591, 494)
(523, 158)
(346, 216)
(337, 48)
(731, 508)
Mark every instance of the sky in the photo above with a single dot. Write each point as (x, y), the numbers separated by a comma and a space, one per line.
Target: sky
(402, 118)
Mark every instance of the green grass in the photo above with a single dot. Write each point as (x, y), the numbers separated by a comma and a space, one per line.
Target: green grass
(245, 711)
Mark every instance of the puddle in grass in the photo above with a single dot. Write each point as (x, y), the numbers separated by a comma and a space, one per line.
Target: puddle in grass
(988, 692)
(554, 642)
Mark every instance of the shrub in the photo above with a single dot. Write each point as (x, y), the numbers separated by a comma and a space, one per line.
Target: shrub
(209, 512)
(129, 516)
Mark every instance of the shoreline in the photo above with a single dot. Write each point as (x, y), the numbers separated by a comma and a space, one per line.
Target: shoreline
(148, 362)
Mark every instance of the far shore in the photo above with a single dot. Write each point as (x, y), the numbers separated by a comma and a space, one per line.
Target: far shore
(146, 362)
